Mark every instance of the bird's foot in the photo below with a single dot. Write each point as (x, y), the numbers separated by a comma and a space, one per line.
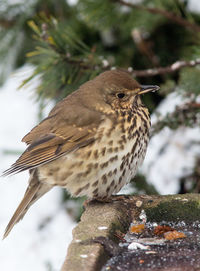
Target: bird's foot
(111, 199)
(119, 197)
(96, 200)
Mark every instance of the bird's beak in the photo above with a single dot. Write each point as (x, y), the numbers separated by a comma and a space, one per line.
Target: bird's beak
(148, 88)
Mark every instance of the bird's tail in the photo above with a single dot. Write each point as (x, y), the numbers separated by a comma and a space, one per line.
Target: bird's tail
(34, 191)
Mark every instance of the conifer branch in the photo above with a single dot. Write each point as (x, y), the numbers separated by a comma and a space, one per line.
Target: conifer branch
(168, 69)
(92, 61)
(169, 15)
(184, 115)
(137, 73)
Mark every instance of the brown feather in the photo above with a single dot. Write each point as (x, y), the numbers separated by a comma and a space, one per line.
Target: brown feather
(63, 117)
(57, 134)
(34, 191)
(50, 147)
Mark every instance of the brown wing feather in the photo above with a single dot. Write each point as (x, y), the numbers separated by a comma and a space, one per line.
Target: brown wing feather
(66, 119)
(56, 136)
(34, 156)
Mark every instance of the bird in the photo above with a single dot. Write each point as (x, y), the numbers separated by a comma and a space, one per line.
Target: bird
(91, 143)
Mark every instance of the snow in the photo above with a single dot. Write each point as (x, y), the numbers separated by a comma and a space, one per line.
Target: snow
(143, 216)
(15, 2)
(170, 154)
(194, 5)
(40, 240)
(135, 245)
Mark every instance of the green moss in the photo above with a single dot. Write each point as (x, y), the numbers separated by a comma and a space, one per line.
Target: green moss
(174, 210)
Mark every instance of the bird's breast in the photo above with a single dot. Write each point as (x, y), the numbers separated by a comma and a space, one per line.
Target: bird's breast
(103, 167)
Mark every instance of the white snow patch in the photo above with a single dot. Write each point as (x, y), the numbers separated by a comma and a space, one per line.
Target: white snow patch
(135, 245)
(176, 65)
(171, 153)
(143, 216)
(151, 252)
(194, 6)
(105, 63)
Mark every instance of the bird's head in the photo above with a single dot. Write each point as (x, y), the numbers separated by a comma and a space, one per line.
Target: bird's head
(116, 89)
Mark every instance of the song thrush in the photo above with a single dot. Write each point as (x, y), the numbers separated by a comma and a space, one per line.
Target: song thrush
(91, 143)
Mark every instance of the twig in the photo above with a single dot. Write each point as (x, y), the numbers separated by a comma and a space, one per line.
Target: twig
(6, 23)
(137, 73)
(163, 70)
(169, 15)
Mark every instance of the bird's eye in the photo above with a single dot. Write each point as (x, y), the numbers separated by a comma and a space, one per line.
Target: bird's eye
(120, 95)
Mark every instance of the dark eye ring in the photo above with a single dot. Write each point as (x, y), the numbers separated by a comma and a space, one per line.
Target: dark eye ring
(120, 95)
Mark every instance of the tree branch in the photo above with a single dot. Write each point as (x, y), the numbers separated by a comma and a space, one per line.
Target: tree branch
(163, 70)
(6, 23)
(137, 73)
(169, 15)
(184, 115)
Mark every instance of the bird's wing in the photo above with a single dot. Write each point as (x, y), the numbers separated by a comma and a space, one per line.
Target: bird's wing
(60, 133)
